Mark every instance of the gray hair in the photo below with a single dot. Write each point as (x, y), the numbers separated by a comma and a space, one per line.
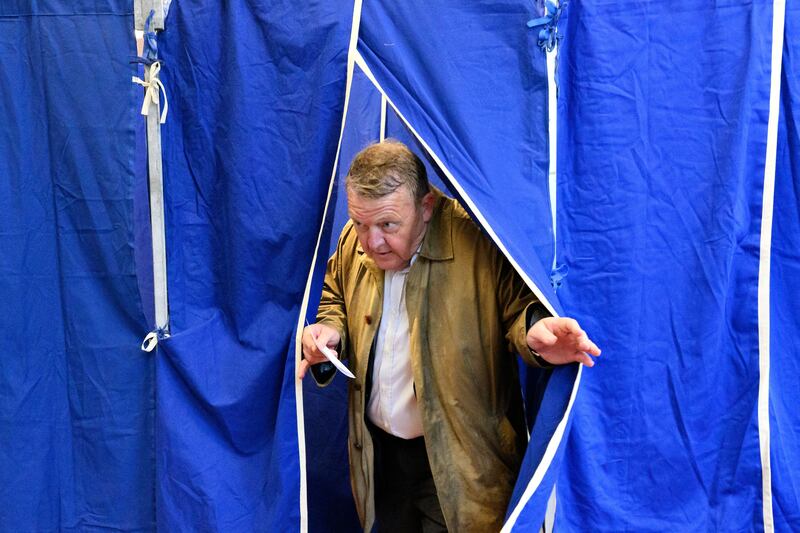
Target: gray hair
(381, 168)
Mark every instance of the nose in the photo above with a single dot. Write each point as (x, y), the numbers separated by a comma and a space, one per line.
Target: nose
(375, 238)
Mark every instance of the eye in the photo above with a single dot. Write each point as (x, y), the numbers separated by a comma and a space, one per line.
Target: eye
(389, 225)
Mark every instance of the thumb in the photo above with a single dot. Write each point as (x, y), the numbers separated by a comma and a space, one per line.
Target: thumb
(544, 336)
(301, 370)
(329, 337)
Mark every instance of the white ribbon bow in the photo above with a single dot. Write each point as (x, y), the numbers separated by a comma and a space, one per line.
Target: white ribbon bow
(151, 91)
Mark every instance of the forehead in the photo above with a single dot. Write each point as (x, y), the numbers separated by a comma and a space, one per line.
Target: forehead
(397, 203)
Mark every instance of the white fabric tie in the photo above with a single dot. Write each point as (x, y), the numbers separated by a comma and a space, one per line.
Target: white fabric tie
(150, 342)
(151, 91)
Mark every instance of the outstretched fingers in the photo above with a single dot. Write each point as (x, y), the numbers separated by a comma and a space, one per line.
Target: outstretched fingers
(584, 344)
(584, 359)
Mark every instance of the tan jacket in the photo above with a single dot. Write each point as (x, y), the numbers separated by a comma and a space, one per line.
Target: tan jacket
(466, 311)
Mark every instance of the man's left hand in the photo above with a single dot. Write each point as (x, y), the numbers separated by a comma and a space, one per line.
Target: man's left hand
(561, 340)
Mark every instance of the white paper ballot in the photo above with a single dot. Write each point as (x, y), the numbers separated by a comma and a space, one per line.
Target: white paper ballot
(331, 356)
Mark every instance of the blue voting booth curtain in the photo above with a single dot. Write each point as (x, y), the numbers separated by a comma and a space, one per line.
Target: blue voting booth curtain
(661, 158)
(76, 392)
(256, 105)
(663, 131)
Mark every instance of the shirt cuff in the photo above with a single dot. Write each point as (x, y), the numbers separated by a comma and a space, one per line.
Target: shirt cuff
(535, 313)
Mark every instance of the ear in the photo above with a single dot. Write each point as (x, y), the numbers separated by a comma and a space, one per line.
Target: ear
(427, 206)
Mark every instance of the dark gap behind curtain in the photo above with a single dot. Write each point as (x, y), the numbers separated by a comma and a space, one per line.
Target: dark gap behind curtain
(76, 392)
(256, 92)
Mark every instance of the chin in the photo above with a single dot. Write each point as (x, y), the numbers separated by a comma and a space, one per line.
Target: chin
(390, 263)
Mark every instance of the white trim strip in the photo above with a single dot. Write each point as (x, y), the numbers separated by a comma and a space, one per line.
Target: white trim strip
(157, 221)
(552, 182)
(555, 440)
(298, 385)
(764, 263)
(552, 123)
(383, 118)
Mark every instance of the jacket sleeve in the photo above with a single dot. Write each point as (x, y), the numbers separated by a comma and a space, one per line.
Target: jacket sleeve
(520, 309)
(332, 312)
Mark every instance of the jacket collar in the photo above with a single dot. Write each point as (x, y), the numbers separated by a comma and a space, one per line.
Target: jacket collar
(437, 245)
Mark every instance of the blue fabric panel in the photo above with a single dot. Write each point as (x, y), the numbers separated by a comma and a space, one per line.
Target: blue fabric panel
(396, 129)
(362, 127)
(662, 146)
(76, 393)
(220, 465)
(256, 96)
(81, 8)
(785, 307)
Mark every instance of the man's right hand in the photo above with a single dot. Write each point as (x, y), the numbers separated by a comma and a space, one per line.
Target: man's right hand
(325, 336)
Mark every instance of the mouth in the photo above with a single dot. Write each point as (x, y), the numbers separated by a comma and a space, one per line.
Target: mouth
(383, 258)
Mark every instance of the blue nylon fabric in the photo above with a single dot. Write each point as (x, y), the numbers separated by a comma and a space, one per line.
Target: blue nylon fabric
(143, 239)
(256, 94)
(663, 139)
(81, 8)
(785, 280)
(76, 393)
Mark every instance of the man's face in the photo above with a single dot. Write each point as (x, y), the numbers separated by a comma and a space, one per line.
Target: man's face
(390, 228)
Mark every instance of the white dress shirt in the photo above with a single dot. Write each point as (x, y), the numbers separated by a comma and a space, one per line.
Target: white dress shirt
(392, 402)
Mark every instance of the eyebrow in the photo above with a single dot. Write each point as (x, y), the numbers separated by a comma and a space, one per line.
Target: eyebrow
(380, 220)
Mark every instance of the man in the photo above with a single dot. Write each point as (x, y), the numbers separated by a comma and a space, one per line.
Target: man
(427, 310)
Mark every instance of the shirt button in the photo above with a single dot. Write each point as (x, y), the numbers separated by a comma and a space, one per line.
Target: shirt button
(357, 446)
(357, 386)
